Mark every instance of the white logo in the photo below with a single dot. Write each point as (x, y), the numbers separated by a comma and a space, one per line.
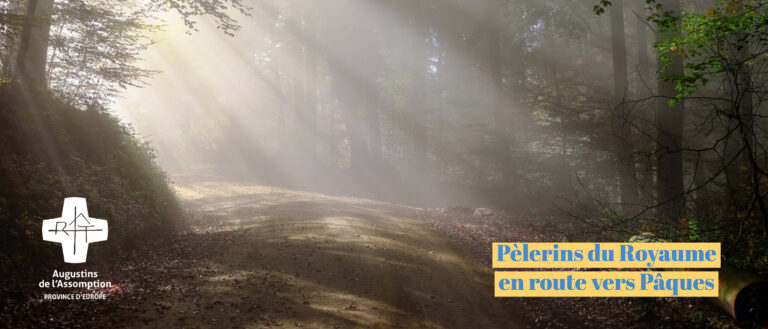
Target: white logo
(75, 230)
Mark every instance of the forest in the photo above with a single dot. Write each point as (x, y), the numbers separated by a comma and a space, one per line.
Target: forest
(300, 163)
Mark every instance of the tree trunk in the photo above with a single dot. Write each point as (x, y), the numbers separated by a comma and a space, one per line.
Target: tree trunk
(359, 157)
(702, 201)
(280, 96)
(310, 79)
(643, 61)
(739, 142)
(643, 89)
(294, 69)
(745, 112)
(13, 35)
(498, 104)
(439, 106)
(416, 121)
(33, 49)
(624, 144)
(352, 63)
(669, 129)
(374, 132)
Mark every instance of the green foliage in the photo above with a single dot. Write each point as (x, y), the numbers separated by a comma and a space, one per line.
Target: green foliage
(723, 40)
(49, 151)
(693, 231)
(189, 10)
(95, 48)
(599, 8)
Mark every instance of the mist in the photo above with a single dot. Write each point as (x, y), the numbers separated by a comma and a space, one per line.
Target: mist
(354, 163)
(422, 103)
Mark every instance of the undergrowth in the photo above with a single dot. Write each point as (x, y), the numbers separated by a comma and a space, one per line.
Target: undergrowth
(49, 151)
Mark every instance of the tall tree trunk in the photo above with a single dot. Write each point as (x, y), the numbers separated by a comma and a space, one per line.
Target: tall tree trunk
(563, 181)
(352, 64)
(643, 61)
(298, 121)
(294, 68)
(643, 89)
(13, 35)
(498, 104)
(33, 49)
(702, 202)
(624, 143)
(669, 129)
(310, 78)
(359, 157)
(416, 122)
(745, 110)
(374, 132)
(738, 144)
(282, 107)
(330, 152)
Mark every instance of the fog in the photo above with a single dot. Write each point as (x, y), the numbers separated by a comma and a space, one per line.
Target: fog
(238, 152)
(433, 103)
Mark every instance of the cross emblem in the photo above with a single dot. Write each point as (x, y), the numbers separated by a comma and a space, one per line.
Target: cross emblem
(75, 230)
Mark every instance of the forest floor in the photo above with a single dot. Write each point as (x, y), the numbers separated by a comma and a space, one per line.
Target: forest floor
(287, 259)
(262, 257)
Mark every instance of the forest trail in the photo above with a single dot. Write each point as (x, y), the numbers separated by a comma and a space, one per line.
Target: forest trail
(288, 259)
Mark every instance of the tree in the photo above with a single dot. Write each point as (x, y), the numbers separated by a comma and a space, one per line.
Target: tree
(352, 62)
(624, 144)
(725, 44)
(499, 106)
(310, 76)
(58, 43)
(33, 46)
(95, 48)
(669, 129)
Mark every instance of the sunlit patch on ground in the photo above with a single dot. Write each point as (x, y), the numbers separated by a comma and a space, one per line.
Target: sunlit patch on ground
(272, 257)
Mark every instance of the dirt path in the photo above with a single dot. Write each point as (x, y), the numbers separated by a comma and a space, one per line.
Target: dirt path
(290, 259)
